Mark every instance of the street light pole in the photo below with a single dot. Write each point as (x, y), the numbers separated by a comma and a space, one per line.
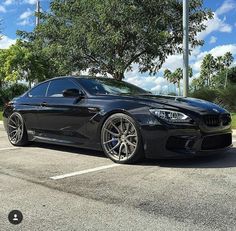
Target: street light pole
(37, 12)
(185, 47)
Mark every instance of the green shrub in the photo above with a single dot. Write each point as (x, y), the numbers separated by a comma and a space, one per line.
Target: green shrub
(205, 93)
(9, 92)
(226, 98)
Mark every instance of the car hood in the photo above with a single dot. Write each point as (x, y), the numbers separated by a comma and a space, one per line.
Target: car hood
(188, 104)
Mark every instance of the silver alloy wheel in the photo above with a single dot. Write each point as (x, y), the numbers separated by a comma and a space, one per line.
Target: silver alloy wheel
(15, 129)
(120, 138)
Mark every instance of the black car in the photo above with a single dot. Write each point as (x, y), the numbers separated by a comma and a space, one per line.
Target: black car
(125, 121)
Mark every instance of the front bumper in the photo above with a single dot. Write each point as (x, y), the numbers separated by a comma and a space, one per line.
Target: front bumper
(161, 142)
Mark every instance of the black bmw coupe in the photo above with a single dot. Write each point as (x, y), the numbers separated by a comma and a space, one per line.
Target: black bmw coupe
(125, 121)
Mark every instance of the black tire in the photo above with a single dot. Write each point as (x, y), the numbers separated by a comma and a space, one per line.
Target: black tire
(16, 130)
(122, 141)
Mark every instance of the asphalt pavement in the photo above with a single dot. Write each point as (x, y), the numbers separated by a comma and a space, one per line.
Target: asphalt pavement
(62, 188)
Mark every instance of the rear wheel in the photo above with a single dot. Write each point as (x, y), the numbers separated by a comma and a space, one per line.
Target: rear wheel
(17, 134)
(121, 139)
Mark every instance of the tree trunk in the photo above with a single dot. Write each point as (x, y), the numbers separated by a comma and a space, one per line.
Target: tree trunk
(179, 88)
(118, 75)
(226, 79)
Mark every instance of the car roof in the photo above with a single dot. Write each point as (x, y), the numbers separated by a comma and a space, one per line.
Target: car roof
(73, 77)
(80, 77)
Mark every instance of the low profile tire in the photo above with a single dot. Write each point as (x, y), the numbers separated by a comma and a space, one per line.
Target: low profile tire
(16, 131)
(121, 140)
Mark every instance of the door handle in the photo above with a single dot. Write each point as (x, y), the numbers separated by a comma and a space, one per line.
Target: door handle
(43, 104)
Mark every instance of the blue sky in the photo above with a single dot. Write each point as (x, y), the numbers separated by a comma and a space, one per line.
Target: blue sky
(220, 37)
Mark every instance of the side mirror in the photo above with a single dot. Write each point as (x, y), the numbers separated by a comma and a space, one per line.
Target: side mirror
(74, 93)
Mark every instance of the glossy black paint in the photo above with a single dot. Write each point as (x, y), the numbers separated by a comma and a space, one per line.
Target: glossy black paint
(77, 121)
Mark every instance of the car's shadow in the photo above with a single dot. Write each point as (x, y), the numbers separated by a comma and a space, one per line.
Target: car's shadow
(221, 160)
(69, 149)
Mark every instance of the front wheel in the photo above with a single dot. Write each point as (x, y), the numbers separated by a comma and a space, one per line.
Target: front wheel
(121, 139)
(17, 134)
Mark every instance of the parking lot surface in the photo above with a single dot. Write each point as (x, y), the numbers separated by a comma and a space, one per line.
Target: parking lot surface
(62, 188)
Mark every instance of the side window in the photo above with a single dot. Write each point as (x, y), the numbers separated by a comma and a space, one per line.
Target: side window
(39, 91)
(57, 87)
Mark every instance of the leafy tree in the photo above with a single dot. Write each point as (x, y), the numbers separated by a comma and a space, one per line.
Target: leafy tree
(3, 54)
(108, 36)
(21, 62)
(232, 75)
(8, 92)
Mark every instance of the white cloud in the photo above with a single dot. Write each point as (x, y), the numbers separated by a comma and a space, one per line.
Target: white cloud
(151, 83)
(216, 51)
(156, 84)
(215, 24)
(173, 62)
(24, 18)
(25, 22)
(5, 42)
(9, 2)
(213, 39)
(227, 6)
(2, 9)
(221, 50)
(26, 14)
(31, 2)
(159, 84)
(196, 65)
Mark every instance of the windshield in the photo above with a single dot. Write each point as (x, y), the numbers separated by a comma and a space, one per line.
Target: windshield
(101, 86)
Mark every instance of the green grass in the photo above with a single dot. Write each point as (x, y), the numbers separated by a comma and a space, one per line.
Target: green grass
(0, 115)
(233, 120)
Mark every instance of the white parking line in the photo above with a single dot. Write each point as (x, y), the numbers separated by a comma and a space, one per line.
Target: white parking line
(10, 148)
(83, 172)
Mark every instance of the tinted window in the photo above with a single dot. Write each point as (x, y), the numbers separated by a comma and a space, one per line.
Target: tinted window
(39, 91)
(110, 86)
(57, 87)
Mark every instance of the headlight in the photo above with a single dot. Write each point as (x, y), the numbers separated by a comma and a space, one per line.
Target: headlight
(171, 116)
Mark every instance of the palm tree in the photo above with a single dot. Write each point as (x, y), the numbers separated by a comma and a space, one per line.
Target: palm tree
(227, 60)
(170, 76)
(208, 67)
(176, 76)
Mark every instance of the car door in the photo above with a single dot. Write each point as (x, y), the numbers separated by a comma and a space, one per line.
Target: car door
(63, 119)
(30, 105)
